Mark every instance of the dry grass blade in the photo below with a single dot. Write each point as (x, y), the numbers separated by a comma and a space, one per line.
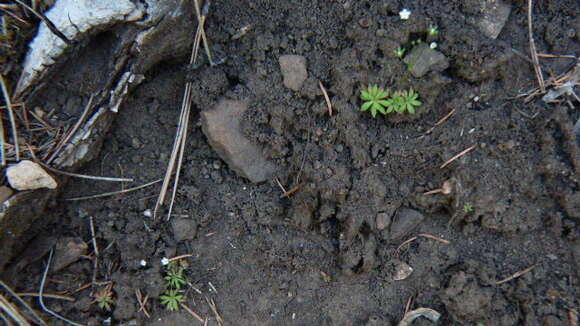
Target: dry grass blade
(10, 310)
(23, 303)
(328, 103)
(12, 120)
(457, 156)
(213, 308)
(47, 295)
(533, 52)
(516, 275)
(112, 193)
(176, 157)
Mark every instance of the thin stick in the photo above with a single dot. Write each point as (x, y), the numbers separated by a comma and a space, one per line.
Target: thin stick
(95, 249)
(328, 103)
(280, 185)
(11, 116)
(516, 275)
(47, 295)
(457, 156)
(112, 193)
(11, 14)
(447, 116)
(405, 243)
(47, 21)
(41, 293)
(213, 307)
(550, 56)
(179, 257)
(22, 302)
(73, 130)
(142, 302)
(432, 237)
(293, 190)
(191, 312)
(533, 52)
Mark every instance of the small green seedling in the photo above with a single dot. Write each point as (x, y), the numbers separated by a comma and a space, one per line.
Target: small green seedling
(403, 101)
(468, 208)
(374, 99)
(174, 277)
(172, 299)
(433, 30)
(104, 298)
(400, 52)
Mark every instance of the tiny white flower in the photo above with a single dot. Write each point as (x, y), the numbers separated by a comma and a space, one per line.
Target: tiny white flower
(143, 263)
(107, 321)
(405, 14)
(147, 213)
(433, 45)
(164, 261)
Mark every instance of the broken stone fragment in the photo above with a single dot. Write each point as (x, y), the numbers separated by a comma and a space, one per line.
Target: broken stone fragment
(68, 251)
(293, 70)
(422, 59)
(494, 16)
(27, 175)
(404, 222)
(222, 128)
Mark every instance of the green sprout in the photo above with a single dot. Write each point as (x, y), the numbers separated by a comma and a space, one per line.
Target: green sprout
(174, 277)
(468, 208)
(403, 101)
(433, 30)
(104, 298)
(374, 99)
(400, 52)
(172, 299)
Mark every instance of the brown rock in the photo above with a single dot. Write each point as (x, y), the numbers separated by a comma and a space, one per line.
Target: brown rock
(68, 251)
(222, 128)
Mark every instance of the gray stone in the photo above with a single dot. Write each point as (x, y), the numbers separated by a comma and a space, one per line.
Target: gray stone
(422, 59)
(28, 175)
(184, 229)
(405, 220)
(383, 220)
(222, 128)
(494, 16)
(293, 70)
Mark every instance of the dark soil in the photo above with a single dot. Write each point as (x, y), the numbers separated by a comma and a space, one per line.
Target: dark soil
(320, 257)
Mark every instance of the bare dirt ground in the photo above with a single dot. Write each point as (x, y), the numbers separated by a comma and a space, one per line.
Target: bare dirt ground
(330, 253)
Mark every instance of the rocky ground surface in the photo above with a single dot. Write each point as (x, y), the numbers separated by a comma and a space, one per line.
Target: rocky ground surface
(289, 215)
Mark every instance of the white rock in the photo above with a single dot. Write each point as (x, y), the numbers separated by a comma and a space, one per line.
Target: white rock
(28, 175)
(73, 18)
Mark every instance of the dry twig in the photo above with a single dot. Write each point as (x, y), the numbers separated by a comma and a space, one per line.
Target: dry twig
(191, 312)
(457, 156)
